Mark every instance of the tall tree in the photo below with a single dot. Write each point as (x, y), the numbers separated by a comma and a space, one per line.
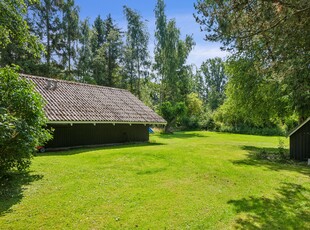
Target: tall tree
(215, 80)
(198, 85)
(136, 50)
(106, 43)
(170, 55)
(160, 36)
(47, 22)
(70, 35)
(99, 66)
(275, 33)
(97, 38)
(114, 45)
(84, 60)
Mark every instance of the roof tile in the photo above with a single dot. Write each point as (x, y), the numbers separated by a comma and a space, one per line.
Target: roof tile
(72, 101)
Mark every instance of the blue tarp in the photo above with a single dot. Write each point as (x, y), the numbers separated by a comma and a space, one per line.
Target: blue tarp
(151, 130)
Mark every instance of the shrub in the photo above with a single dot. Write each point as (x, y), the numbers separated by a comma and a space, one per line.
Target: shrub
(21, 121)
(246, 129)
(190, 123)
(207, 122)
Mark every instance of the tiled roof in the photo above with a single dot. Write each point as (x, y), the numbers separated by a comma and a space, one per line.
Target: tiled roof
(78, 102)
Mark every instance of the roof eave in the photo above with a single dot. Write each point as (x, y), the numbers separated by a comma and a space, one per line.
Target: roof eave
(298, 127)
(109, 122)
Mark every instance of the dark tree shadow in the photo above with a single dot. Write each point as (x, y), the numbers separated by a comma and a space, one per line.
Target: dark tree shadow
(290, 209)
(12, 188)
(270, 154)
(82, 149)
(270, 161)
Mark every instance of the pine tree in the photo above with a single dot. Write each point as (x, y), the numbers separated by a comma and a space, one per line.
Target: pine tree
(114, 46)
(70, 35)
(46, 24)
(136, 51)
(85, 55)
(106, 43)
(97, 37)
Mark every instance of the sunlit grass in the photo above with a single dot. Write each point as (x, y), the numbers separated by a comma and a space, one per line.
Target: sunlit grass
(194, 180)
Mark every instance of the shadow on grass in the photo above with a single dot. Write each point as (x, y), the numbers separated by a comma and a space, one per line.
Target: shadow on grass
(289, 209)
(180, 135)
(83, 149)
(267, 157)
(12, 187)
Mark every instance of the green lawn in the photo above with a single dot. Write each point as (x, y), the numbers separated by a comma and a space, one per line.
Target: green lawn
(189, 180)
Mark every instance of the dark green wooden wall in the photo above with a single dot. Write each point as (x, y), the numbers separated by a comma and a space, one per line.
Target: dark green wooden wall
(300, 143)
(66, 135)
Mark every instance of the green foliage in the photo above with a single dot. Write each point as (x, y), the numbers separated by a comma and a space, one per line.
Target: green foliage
(194, 105)
(207, 122)
(97, 38)
(252, 130)
(290, 123)
(14, 28)
(274, 35)
(99, 66)
(170, 56)
(171, 113)
(208, 83)
(252, 99)
(194, 109)
(21, 121)
(214, 82)
(136, 56)
(85, 55)
(17, 44)
(70, 35)
(47, 25)
(106, 42)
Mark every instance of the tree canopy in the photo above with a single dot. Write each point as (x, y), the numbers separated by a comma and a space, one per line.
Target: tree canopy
(274, 35)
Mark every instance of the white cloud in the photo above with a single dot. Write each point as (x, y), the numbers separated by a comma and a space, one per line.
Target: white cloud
(205, 51)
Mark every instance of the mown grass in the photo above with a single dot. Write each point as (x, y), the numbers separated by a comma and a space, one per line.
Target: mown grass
(188, 180)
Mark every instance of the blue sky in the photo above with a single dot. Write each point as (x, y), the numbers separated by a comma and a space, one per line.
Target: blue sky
(181, 10)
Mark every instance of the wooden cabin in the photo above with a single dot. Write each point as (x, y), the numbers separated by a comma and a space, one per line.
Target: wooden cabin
(84, 114)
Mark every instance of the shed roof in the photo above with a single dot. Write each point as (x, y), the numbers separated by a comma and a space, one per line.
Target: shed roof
(84, 103)
(298, 127)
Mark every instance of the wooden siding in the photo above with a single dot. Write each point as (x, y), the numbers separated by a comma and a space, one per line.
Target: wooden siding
(300, 143)
(66, 135)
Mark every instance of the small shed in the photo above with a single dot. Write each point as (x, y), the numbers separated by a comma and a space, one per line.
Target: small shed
(85, 115)
(300, 142)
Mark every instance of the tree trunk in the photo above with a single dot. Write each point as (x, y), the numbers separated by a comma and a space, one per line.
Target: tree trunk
(138, 87)
(48, 54)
